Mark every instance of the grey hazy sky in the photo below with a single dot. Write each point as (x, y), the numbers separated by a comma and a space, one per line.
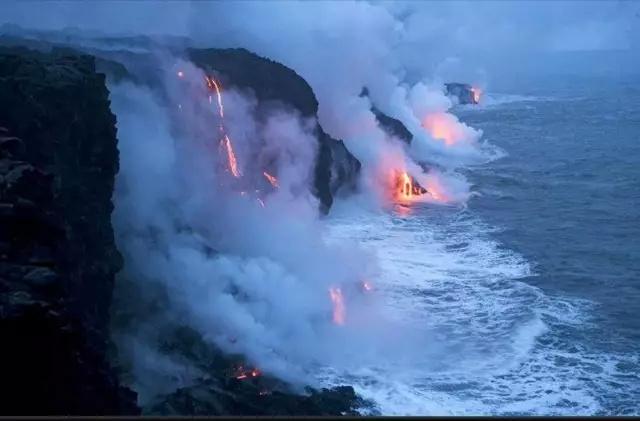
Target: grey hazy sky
(552, 25)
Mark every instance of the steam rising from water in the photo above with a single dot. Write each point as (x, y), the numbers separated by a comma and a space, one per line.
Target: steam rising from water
(352, 51)
(251, 279)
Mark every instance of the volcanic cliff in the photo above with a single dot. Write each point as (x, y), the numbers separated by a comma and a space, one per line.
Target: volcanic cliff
(58, 259)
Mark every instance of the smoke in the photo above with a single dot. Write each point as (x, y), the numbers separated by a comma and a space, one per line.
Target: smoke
(251, 270)
(352, 50)
(251, 279)
(388, 47)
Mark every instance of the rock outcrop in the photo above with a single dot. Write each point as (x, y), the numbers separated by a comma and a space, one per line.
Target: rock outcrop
(58, 159)
(230, 387)
(462, 92)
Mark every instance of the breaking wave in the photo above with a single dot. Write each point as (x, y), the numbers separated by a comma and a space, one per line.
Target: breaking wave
(492, 341)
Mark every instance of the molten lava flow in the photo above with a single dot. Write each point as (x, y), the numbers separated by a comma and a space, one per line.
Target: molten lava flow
(212, 84)
(477, 92)
(226, 142)
(231, 156)
(405, 189)
(271, 179)
(338, 305)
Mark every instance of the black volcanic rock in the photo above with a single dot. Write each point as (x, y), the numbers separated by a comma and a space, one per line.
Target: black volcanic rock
(58, 159)
(221, 392)
(463, 92)
(391, 125)
(336, 168)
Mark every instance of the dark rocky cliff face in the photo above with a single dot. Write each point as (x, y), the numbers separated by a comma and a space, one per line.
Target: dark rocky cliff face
(58, 159)
(336, 168)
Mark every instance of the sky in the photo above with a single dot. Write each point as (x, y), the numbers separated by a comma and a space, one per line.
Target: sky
(484, 25)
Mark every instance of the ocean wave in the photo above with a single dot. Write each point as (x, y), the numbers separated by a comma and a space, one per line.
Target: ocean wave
(492, 343)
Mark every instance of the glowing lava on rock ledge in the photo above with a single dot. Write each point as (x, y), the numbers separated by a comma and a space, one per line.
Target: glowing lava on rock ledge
(404, 187)
(339, 310)
(225, 142)
(241, 373)
(477, 93)
(231, 156)
(212, 84)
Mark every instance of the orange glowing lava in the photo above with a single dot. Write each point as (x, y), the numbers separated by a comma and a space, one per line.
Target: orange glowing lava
(226, 141)
(241, 373)
(212, 84)
(404, 188)
(271, 179)
(442, 127)
(231, 156)
(477, 93)
(338, 305)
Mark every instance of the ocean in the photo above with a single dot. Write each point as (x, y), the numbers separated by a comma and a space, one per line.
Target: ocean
(529, 293)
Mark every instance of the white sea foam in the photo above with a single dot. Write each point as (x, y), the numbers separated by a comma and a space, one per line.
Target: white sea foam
(493, 342)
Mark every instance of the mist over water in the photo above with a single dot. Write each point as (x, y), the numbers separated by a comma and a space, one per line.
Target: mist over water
(519, 287)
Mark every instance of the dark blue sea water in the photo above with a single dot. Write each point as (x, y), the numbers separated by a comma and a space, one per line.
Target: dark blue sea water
(567, 198)
(526, 298)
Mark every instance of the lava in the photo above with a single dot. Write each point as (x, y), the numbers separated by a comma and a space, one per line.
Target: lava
(405, 189)
(338, 305)
(212, 84)
(226, 141)
(241, 373)
(271, 179)
(231, 156)
(477, 93)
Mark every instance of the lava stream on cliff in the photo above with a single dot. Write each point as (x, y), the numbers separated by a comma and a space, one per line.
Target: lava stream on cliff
(405, 188)
(271, 179)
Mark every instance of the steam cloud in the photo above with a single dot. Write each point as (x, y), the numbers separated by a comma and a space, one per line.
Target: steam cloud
(255, 279)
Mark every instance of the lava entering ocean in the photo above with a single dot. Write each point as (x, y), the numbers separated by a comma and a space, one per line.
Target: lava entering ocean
(241, 373)
(441, 126)
(405, 188)
(477, 93)
(225, 142)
